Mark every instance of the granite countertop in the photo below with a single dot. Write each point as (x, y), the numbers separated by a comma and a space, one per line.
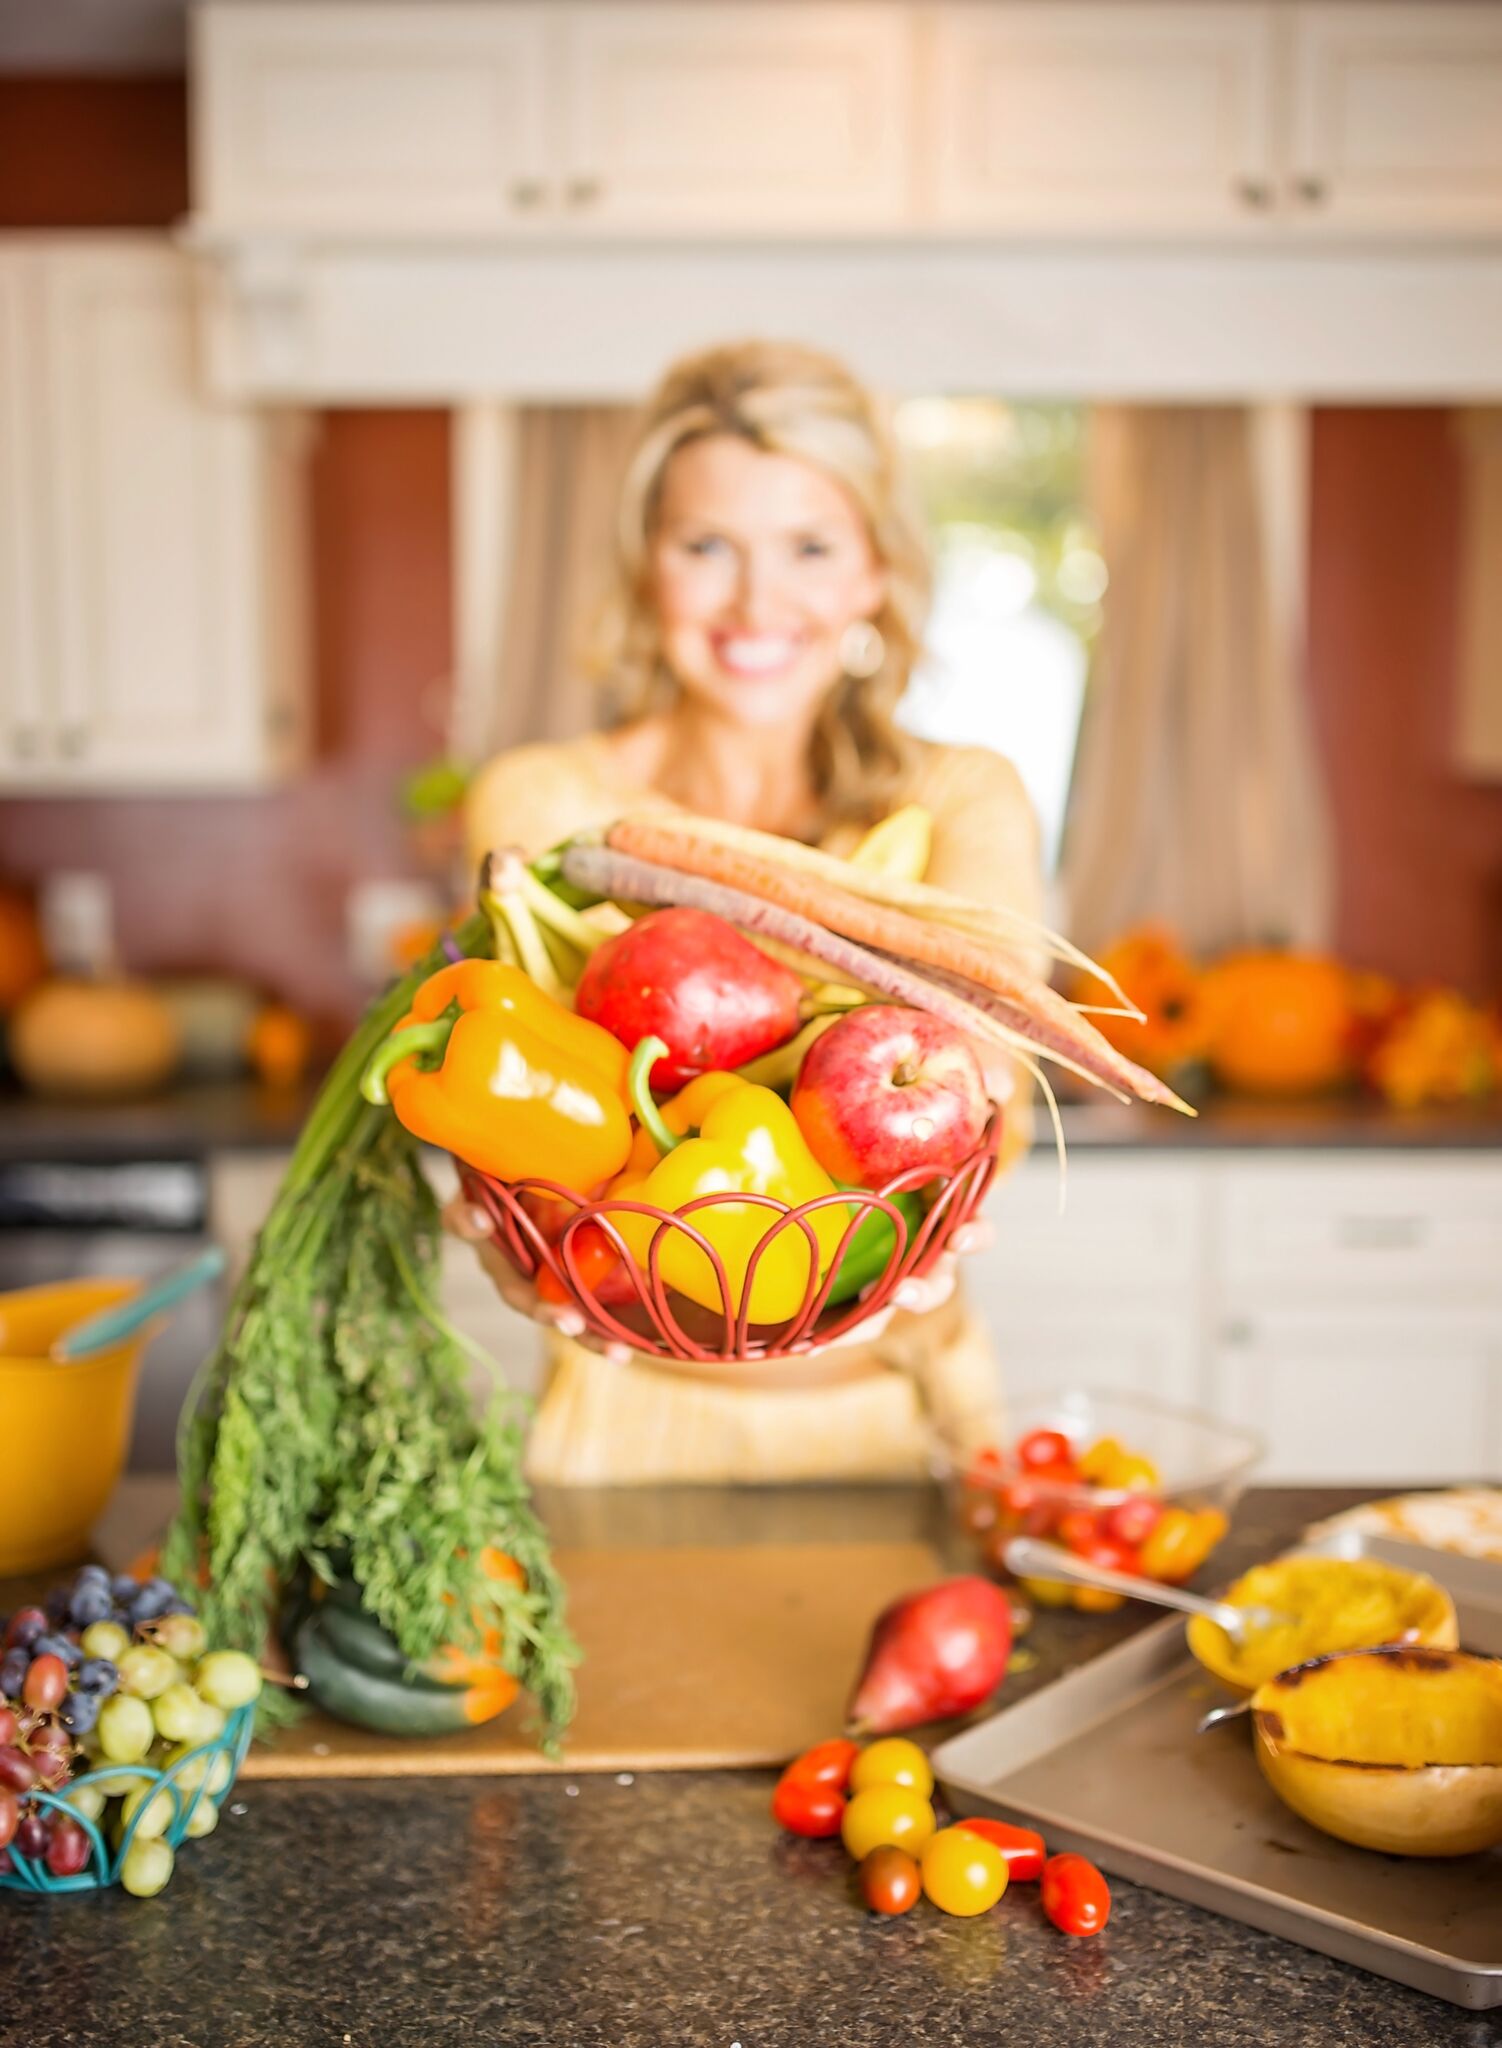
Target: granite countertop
(664, 1911)
(203, 1117)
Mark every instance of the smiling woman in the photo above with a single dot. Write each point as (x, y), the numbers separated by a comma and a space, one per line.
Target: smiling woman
(770, 593)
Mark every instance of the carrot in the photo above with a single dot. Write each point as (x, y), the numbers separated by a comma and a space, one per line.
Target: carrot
(611, 873)
(994, 924)
(1034, 1010)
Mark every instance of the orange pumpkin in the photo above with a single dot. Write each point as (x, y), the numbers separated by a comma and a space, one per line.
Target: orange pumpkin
(1149, 965)
(1438, 1048)
(1281, 1023)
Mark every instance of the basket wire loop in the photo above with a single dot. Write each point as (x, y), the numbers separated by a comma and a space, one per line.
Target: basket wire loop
(104, 1867)
(658, 1329)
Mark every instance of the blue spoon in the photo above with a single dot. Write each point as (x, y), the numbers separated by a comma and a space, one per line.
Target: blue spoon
(113, 1325)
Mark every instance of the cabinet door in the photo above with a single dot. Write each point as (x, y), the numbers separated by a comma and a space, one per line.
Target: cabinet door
(1343, 1395)
(159, 602)
(760, 118)
(1150, 120)
(1114, 1347)
(1397, 118)
(22, 735)
(423, 120)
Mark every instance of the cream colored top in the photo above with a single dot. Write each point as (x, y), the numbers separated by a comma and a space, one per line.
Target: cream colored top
(600, 1422)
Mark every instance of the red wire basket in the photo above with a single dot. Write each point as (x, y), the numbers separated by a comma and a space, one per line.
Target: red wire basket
(665, 1326)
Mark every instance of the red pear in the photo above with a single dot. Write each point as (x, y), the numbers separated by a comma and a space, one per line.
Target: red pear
(932, 1655)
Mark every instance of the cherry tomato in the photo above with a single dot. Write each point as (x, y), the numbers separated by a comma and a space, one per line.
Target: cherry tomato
(1078, 1529)
(988, 1459)
(1047, 1592)
(827, 1763)
(963, 1873)
(886, 1817)
(1099, 1458)
(1114, 1557)
(1171, 1551)
(1052, 1481)
(46, 1682)
(1042, 1447)
(1022, 1849)
(1075, 1896)
(892, 1761)
(889, 1881)
(977, 1514)
(1132, 1521)
(805, 1807)
(1131, 1474)
(1018, 1496)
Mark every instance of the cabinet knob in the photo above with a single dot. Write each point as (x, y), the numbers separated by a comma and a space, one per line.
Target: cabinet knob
(1313, 191)
(528, 192)
(1255, 193)
(582, 191)
(25, 743)
(72, 741)
(1239, 1330)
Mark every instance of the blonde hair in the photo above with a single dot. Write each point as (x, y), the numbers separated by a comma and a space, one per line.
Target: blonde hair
(786, 400)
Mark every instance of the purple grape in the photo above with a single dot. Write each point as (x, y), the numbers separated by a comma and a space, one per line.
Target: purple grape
(91, 1574)
(56, 1604)
(14, 1666)
(31, 1836)
(89, 1604)
(97, 1674)
(124, 1588)
(79, 1712)
(55, 1644)
(150, 1602)
(26, 1624)
(178, 1605)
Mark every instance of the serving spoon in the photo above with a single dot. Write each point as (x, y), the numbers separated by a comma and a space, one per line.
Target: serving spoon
(111, 1326)
(1029, 1558)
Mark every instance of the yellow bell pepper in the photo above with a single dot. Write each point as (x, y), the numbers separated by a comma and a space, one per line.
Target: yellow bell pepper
(747, 1143)
(518, 1086)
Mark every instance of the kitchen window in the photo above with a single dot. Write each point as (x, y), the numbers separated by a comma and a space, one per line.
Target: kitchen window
(1019, 584)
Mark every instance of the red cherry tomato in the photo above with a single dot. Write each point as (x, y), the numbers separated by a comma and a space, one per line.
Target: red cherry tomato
(827, 1763)
(987, 1460)
(890, 1881)
(1042, 1447)
(1132, 1521)
(1023, 1850)
(45, 1683)
(1078, 1529)
(1075, 1896)
(1115, 1557)
(804, 1806)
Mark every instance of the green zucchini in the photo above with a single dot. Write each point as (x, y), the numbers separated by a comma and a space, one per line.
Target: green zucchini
(352, 1693)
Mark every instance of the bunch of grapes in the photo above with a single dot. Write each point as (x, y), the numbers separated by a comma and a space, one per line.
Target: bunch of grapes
(112, 1673)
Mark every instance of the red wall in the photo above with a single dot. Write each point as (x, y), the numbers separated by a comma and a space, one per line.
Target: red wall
(254, 884)
(1419, 849)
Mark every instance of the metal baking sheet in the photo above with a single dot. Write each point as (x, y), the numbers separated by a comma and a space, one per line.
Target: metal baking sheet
(1108, 1762)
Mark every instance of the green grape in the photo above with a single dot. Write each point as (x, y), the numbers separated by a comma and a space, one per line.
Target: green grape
(228, 1678)
(215, 1768)
(125, 1729)
(155, 1806)
(147, 1867)
(88, 1800)
(147, 1671)
(203, 1820)
(181, 1636)
(104, 1639)
(181, 1716)
(119, 1784)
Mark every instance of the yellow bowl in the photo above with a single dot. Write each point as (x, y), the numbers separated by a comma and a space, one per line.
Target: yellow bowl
(68, 1425)
(1336, 1604)
(1392, 1749)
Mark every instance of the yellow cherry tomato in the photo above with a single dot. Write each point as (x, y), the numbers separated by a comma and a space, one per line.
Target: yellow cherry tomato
(1046, 1592)
(1132, 1474)
(893, 1761)
(886, 1817)
(1209, 1526)
(1099, 1458)
(1170, 1551)
(1096, 1600)
(963, 1873)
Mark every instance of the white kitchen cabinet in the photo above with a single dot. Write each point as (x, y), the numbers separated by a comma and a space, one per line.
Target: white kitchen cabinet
(1070, 119)
(1396, 119)
(761, 118)
(1115, 1346)
(1341, 1393)
(410, 120)
(155, 537)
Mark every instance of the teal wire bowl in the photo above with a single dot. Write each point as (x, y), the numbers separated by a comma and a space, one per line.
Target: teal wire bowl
(30, 1874)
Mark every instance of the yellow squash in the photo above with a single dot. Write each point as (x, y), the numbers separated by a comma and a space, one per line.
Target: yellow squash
(1335, 1603)
(1392, 1749)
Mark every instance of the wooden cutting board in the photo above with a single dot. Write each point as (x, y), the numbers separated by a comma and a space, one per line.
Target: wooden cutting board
(694, 1659)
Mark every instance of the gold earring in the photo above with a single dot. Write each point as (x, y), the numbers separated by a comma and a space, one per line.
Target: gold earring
(862, 648)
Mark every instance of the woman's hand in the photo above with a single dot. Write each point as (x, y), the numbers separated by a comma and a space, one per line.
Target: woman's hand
(470, 1223)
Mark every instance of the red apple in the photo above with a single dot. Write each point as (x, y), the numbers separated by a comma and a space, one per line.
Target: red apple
(888, 1089)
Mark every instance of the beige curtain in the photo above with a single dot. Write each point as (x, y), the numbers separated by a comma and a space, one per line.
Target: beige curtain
(1197, 800)
(568, 462)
